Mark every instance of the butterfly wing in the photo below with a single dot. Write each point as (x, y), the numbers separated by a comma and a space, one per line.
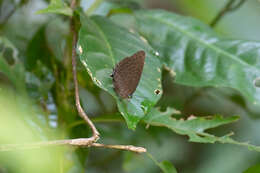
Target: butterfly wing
(127, 74)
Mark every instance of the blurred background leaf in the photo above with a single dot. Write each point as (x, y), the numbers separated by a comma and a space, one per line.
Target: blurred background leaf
(57, 6)
(253, 169)
(165, 165)
(12, 72)
(21, 126)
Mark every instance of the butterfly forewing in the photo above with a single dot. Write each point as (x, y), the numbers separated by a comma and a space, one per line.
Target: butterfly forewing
(127, 74)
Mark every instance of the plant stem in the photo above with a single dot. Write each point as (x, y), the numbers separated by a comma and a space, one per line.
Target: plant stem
(226, 9)
(82, 114)
(73, 142)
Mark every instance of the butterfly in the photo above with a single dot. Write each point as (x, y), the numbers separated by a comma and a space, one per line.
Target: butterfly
(127, 73)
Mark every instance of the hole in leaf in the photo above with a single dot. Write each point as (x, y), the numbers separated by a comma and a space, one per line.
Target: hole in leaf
(80, 49)
(257, 82)
(157, 91)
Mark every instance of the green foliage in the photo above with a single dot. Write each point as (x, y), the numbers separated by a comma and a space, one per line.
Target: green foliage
(253, 169)
(38, 65)
(165, 166)
(100, 49)
(11, 69)
(17, 128)
(199, 56)
(195, 127)
(57, 6)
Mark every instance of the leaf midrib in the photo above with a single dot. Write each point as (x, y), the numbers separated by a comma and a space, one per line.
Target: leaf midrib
(217, 49)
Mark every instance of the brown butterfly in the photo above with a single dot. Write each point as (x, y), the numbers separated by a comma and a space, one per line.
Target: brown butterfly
(127, 73)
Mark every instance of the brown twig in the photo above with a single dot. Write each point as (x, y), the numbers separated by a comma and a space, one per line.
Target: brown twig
(73, 4)
(95, 133)
(121, 147)
(70, 142)
(236, 6)
(226, 9)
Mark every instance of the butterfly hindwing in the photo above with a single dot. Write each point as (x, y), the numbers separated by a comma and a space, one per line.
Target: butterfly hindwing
(127, 74)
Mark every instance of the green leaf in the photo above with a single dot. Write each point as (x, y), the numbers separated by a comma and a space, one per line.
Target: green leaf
(56, 33)
(120, 11)
(253, 169)
(38, 51)
(13, 72)
(57, 6)
(195, 127)
(165, 165)
(199, 56)
(20, 116)
(102, 44)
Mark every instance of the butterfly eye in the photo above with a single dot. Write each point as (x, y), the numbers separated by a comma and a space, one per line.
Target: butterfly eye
(112, 75)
